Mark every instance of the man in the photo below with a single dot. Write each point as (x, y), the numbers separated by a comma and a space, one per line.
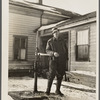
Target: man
(56, 47)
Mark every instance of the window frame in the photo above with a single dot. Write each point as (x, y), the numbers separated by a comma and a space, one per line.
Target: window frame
(88, 59)
(20, 36)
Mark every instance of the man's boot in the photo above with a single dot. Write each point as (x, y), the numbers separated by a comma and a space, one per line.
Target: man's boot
(58, 92)
(49, 87)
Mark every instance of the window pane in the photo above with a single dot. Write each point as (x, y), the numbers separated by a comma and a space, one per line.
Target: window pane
(82, 37)
(22, 43)
(16, 48)
(23, 53)
(82, 52)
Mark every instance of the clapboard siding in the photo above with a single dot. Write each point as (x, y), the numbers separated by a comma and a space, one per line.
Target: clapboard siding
(23, 25)
(80, 68)
(88, 65)
(24, 11)
(46, 18)
(82, 63)
(31, 46)
(11, 47)
(45, 21)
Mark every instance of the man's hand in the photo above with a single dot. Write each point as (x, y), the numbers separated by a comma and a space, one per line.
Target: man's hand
(56, 54)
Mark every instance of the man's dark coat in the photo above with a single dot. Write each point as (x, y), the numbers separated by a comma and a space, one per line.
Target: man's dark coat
(57, 65)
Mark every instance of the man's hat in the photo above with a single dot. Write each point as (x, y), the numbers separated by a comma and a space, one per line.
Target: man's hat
(54, 30)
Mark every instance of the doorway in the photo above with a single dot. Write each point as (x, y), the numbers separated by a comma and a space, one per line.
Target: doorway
(65, 36)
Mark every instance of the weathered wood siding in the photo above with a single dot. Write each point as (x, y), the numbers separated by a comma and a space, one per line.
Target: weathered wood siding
(50, 19)
(84, 65)
(22, 22)
(22, 25)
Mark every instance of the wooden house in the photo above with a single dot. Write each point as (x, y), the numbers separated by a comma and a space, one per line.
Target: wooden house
(24, 20)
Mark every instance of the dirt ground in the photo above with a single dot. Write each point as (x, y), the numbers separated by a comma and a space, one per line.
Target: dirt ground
(71, 91)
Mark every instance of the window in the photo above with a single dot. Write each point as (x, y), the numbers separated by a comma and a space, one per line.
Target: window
(82, 47)
(20, 47)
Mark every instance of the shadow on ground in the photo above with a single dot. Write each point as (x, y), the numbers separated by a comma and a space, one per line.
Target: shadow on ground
(28, 95)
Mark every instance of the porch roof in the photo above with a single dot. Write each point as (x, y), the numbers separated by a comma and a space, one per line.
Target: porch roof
(51, 25)
(69, 21)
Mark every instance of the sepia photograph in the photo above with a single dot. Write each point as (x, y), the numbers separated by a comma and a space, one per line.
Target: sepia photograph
(52, 50)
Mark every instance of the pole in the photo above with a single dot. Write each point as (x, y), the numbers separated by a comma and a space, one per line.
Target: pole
(37, 56)
(35, 65)
(35, 71)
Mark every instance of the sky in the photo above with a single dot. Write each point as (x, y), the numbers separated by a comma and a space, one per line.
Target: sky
(78, 6)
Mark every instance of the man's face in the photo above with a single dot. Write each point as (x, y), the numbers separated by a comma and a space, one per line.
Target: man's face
(56, 34)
